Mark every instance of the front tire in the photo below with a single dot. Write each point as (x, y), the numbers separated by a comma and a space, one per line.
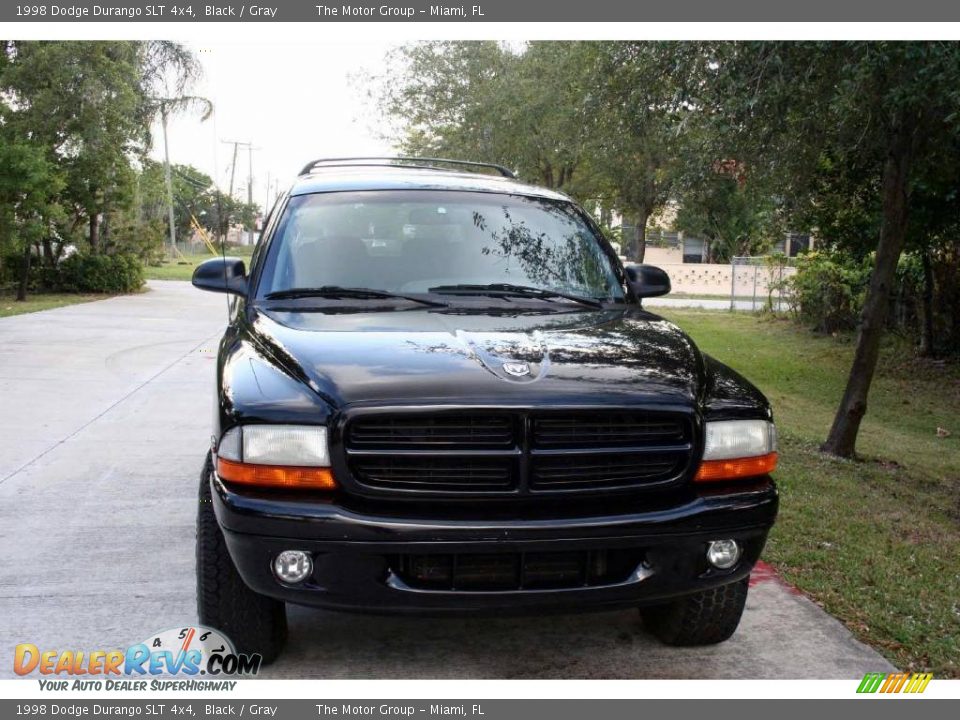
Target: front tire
(704, 618)
(255, 623)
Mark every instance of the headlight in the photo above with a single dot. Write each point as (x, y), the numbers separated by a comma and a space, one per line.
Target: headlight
(739, 438)
(290, 456)
(738, 448)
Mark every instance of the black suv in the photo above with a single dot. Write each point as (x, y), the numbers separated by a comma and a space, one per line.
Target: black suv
(438, 392)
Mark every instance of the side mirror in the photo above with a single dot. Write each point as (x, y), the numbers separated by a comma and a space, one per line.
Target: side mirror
(225, 275)
(647, 280)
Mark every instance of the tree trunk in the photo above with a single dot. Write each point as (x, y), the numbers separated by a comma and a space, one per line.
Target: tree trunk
(48, 257)
(639, 249)
(547, 174)
(926, 335)
(105, 232)
(168, 182)
(842, 439)
(94, 232)
(24, 275)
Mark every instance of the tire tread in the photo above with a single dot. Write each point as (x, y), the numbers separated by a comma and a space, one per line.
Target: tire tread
(255, 623)
(704, 618)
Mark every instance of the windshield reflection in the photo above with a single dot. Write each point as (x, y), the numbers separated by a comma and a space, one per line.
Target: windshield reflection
(411, 241)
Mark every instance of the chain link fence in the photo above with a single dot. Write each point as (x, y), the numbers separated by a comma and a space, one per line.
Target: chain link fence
(757, 282)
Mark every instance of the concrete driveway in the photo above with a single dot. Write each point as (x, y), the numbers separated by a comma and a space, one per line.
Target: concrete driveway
(106, 412)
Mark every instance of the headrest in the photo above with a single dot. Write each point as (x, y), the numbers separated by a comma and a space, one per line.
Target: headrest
(438, 216)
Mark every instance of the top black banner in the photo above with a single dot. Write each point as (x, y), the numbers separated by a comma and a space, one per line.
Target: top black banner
(483, 11)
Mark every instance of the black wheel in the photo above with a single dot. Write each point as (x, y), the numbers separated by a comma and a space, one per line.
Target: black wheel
(255, 623)
(705, 618)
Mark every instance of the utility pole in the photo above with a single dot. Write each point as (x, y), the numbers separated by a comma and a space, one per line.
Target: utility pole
(168, 181)
(266, 205)
(253, 220)
(225, 221)
(233, 169)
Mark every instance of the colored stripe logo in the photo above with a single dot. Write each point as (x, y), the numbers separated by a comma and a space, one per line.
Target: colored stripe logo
(894, 682)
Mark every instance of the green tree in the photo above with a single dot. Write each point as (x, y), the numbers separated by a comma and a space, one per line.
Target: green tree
(484, 100)
(639, 126)
(79, 114)
(733, 217)
(786, 108)
(196, 196)
(603, 121)
(848, 215)
(28, 189)
(169, 70)
(933, 236)
(82, 104)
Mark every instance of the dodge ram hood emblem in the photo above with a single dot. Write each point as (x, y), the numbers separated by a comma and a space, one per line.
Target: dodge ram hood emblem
(517, 369)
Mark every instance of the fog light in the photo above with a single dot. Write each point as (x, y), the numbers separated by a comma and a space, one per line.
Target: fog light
(723, 554)
(293, 566)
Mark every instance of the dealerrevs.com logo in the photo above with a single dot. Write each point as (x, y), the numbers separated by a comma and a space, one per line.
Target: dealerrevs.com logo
(188, 651)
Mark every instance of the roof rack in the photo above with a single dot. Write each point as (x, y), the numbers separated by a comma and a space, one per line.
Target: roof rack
(416, 163)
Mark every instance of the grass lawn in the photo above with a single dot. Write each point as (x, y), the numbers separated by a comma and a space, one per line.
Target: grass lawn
(183, 269)
(877, 541)
(43, 301)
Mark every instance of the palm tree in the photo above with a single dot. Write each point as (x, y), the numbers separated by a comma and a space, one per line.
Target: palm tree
(170, 70)
(172, 106)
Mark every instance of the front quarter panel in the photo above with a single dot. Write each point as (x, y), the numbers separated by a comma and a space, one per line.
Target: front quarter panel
(730, 396)
(252, 388)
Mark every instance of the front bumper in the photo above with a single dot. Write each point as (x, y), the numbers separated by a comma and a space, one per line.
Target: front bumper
(355, 552)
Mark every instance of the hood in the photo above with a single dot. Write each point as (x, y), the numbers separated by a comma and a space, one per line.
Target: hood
(435, 356)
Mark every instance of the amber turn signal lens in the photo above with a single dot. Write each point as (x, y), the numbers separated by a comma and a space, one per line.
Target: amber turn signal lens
(712, 470)
(276, 476)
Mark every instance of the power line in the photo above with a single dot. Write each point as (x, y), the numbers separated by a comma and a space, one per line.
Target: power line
(200, 185)
(250, 148)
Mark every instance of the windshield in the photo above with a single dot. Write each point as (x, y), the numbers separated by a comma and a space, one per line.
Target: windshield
(415, 241)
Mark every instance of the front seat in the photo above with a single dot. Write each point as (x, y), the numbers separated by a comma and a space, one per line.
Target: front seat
(333, 261)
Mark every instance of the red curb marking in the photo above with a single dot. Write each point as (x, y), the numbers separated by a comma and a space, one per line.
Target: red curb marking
(762, 572)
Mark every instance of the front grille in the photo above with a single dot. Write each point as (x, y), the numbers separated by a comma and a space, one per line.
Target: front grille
(596, 429)
(562, 472)
(516, 452)
(419, 431)
(502, 571)
(431, 473)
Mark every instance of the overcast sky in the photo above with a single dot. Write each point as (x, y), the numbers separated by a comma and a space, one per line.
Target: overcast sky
(295, 102)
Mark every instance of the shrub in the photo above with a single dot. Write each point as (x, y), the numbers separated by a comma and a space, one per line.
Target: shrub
(144, 239)
(79, 273)
(828, 290)
(97, 274)
(9, 267)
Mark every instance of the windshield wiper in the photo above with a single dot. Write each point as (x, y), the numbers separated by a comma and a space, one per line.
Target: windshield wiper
(502, 289)
(336, 291)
